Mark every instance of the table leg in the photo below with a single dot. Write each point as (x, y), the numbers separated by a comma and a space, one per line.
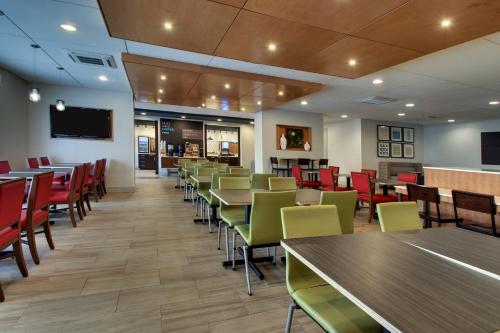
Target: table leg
(288, 168)
(348, 181)
(385, 189)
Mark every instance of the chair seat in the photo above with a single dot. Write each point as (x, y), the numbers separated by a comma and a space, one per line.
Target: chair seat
(328, 188)
(60, 197)
(244, 231)
(233, 215)
(377, 198)
(334, 312)
(343, 189)
(7, 236)
(308, 183)
(39, 217)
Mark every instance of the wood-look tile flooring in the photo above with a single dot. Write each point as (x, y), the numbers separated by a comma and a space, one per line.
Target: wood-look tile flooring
(138, 263)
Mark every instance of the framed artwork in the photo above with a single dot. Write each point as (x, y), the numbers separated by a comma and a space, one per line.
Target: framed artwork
(408, 134)
(291, 137)
(408, 150)
(396, 150)
(383, 133)
(396, 134)
(384, 149)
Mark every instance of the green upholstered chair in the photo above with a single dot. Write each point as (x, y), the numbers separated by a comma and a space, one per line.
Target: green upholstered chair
(346, 207)
(323, 303)
(240, 171)
(221, 167)
(264, 229)
(232, 216)
(229, 167)
(398, 216)
(180, 164)
(200, 202)
(282, 184)
(261, 180)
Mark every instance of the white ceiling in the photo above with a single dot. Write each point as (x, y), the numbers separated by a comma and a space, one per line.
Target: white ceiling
(453, 83)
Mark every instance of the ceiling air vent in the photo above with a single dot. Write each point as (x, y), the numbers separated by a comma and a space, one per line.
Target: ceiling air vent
(377, 100)
(94, 59)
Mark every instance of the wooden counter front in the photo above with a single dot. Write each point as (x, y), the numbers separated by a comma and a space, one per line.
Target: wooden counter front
(486, 182)
(172, 161)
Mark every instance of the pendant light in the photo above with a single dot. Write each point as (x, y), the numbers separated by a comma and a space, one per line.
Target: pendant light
(60, 103)
(34, 95)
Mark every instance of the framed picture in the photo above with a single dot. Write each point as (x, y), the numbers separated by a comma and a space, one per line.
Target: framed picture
(408, 150)
(408, 134)
(143, 144)
(396, 134)
(396, 150)
(384, 149)
(383, 133)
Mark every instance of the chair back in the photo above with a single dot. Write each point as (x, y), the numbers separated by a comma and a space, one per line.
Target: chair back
(202, 171)
(86, 175)
(481, 203)
(39, 194)
(44, 160)
(5, 167)
(274, 162)
(282, 184)
(422, 193)
(345, 202)
(370, 172)
(398, 216)
(265, 217)
(323, 163)
(221, 167)
(304, 163)
(297, 173)
(103, 169)
(32, 163)
(326, 179)
(361, 183)
(216, 176)
(321, 221)
(11, 202)
(80, 169)
(234, 183)
(240, 171)
(97, 170)
(335, 171)
(261, 180)
(410, 178)
(230, 167)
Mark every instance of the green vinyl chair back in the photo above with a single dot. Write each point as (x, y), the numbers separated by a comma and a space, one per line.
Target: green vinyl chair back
(181, 162)
(307, 221)
(240, 171)
(346, 207)
(265, 217)
(229, 167)
(282, 184)
(398, 216)
(221, 167)
(261, 180)
(203, 171)
(234, 183)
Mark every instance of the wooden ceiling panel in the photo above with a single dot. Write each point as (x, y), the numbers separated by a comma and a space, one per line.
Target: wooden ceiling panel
(251, 33)
(417, 25)
(234, 3)
(336, 15)
(197, 25)
(369, 56)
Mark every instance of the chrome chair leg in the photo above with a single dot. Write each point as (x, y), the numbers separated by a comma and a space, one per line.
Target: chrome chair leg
(274, 255)
(289, 319)
(234, 250)
(247, 273)
(218, 234)
(227, 242)
(209, 218)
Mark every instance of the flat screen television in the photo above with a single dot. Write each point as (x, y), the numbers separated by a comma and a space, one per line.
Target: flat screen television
(490, 148)
(76, 122)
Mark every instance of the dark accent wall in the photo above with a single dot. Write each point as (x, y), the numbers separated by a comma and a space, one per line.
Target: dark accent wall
(171, 132)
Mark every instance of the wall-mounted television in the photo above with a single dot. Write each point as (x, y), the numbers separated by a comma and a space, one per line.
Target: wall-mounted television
(77, 122)
(490, 148)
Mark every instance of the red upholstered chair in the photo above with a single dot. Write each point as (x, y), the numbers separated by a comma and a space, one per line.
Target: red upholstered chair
(408, 178)
(370, 172)
(361, 183)
(94, 181)
(297, 173)
(335, 171)
(37, 212)
(11, 202)
(84, 192)
(69, 195)
(103, 176)
(326, 179)
(44, 160)
(5, 167)
(32, 163)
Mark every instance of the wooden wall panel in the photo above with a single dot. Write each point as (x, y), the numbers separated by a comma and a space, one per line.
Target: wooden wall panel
(480, 182)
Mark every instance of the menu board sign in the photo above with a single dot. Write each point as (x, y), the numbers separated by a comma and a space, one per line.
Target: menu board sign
(166, 127)
(192, 134)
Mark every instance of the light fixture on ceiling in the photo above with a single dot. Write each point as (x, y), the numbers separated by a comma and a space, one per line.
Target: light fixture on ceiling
(60, 106)
(34, 94)
(183, 117)
(272, 47)
(227, 86)
(243, 109)
(343, 116)
(259, 102)
(494, 102)
(213, 97)
(143, 113)
(163, 77)
(378, 81)
(401, 114)
(158, 100)
(218, 119)
(304, 102)
(68, 27)
(352, 62)
(451, 120)
(168, 25)
(446, 23)
(410, 105)
(103, 78)
(160, 91)
(281, 93)
(251, 123)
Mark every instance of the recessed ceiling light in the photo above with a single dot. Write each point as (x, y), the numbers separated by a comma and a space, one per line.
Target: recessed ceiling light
(218, 119)
(183, 117)
(343, 116)
(410, 105)
(103, 78)
(159, 100)
(227, 86)
(168, 25)
(143, 113)
(446, 23)
(281, 93)
(271, 47)
(304, 102)
(401, 114)
(243, 109)
(68, 27)
(251, 123)
(451, 120)
(494, 102)
(160, 91)
(352, 62)
(378, 81)
(213, 97)
(259, 102)
(202, 105)
(163, 77)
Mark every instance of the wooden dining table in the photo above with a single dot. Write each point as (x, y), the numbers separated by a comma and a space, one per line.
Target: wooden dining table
(432, 280)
